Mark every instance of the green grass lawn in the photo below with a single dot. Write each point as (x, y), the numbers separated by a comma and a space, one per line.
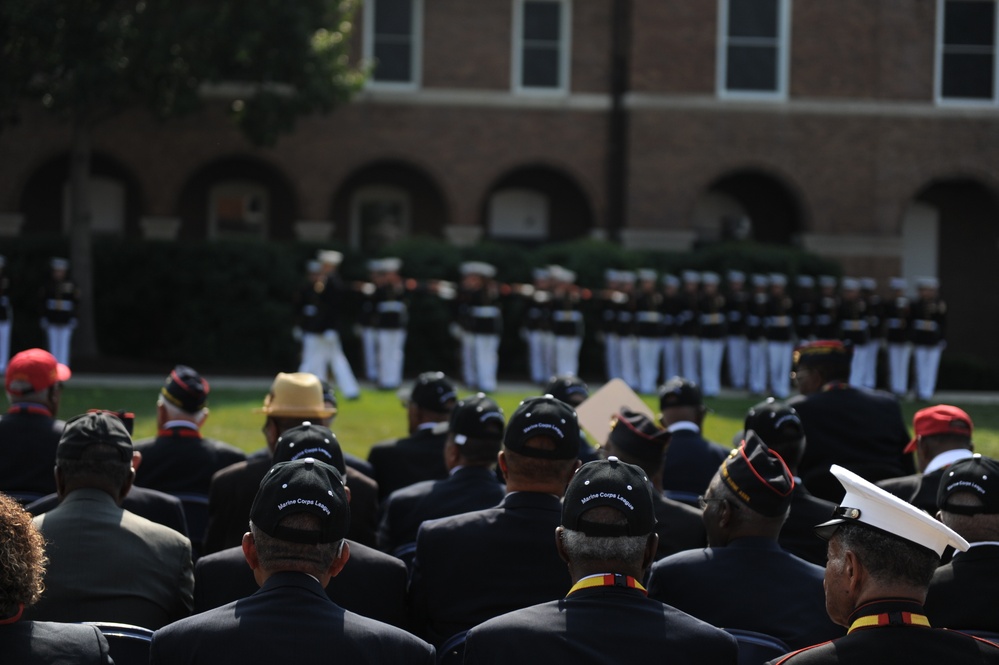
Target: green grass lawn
(379, 415)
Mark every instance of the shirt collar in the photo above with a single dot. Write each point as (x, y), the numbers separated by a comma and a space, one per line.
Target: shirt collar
(683, 425)
(170, 424)
(946, 458)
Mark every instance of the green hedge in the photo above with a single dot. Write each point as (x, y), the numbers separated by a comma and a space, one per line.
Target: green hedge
(227, 306)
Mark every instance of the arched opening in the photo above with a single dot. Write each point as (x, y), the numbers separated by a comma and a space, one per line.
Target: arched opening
(749, 204)
(116, 198)
(385, 201)
(951, 231)
(535, 204)
(237, 197)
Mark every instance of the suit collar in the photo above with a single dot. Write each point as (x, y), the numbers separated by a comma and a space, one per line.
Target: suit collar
(292, 579)
(531, 500)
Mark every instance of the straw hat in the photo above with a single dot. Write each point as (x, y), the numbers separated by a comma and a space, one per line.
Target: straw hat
(296, 395)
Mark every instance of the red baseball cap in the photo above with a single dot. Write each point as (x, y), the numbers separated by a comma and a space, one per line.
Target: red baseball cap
(34, 370)
(939, 419)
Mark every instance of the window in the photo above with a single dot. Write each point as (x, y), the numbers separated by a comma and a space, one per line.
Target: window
(753, 45)
(392, 32)
(379, 217)
(518, 214)
(238, 209)
(966, 31)
(107, 206)
(541, 45)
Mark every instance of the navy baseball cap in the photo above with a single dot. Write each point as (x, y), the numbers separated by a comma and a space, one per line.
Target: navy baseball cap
(477, 417)
(614, 484)
(434, 391)
(547, 417)
(308, 440)
(679, 391)
(92, 428)
(302, 486)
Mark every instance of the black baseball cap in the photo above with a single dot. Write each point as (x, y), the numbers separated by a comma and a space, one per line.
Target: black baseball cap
(679, 391)
(91, 428)
(758, 477)
(477, 417)
(615, 484)
(778, 424)
(543, 416)
(308, 440)
(635, 434)
(434, 391)
(185, 389)
(978, 475)
(302, 486)
(569, 388)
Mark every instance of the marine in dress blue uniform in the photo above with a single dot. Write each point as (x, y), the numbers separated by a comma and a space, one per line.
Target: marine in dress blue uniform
(60, 298)
(929, 333)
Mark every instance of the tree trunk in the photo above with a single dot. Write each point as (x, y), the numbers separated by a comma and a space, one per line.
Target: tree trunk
(85, 336)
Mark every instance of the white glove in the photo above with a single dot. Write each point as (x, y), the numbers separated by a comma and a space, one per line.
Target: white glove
(329, 335)
(296, 334)
(455, 330)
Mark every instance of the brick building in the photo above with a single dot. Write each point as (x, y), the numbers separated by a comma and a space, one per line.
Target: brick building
(864, 130)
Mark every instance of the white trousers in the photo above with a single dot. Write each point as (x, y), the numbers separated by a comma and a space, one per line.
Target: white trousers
(858, 364)
(391, 346)
(649, 350)
(59, 338)
(480, 360)
(538, 349)
(927, 365)
(780, 355)
(4, 344)
(737, 361)
(869, 378)
(629, 360)
(712, 352)
(567, 355)
(898, 367)
(369, 337)
(320, 352)
(689, 358)
(758, 366)
(671, 357)
(612, 355)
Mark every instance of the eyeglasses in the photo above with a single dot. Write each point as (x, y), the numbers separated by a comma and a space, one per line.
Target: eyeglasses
(703, 502)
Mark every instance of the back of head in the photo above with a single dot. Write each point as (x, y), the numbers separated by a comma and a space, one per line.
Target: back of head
(184, 393)
(680, 399)
(475, 429)
(434, 394)
(22, 559)
(95, 451)
(828, 359)
(608, 517)
(300, 517)
(968, 498)
(780, 428)
(541, 442)
(31, 374)
(569, 388)
(940, 428)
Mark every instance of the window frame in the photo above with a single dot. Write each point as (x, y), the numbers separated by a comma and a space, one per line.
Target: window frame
(416, 42)
(783, 56)
(939, 58)
(377, 193)
(564, 51)
(242, 187)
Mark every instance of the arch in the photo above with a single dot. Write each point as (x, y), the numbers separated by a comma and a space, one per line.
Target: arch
(750, 203)
(950, 231)
(236, 194)
(536, 203)
(44, 199)
(386, 200)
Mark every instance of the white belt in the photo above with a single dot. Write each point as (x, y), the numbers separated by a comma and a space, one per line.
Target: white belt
(780, 321)
(855, 325)
(649, 317)
(712, 318)
(926, 325)
(391, 306)
(59, 305)
(486, 312)
(571, 315)
(310, 310)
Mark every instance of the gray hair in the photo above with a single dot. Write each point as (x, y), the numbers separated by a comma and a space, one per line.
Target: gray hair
(177, 413)
(580, 547)
(275, 554)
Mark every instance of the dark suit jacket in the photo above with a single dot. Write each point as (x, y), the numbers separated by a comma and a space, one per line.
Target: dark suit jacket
(878, 645)
(797, 536)
(963, 593)
(861, 430)
(751, 584)
(45, 643)
(290, 619)
(691, 462)
(408, 460)
(158, 507)
(28, 444)
(178, 462)
(679, 526)
(472, 567)
(599, 625)
(371, 584)
(918, 489)
(231, 497)
(468, 488)
(106, 564)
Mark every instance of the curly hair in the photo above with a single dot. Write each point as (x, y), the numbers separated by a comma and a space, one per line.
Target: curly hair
(22, 557)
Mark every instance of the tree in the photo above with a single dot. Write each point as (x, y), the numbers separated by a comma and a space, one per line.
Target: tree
(88, 60)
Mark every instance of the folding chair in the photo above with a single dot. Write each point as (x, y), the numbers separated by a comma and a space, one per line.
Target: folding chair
(757, 648)
(452, 651)
(127, 644)
(196, 514)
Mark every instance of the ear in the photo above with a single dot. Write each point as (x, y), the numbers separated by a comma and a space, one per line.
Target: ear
(724, 513)
(560, 545)
(127, 485)
(452, 454)
(60, 482)
(347, 491)
(854, 571)
(340, 561)
(204, 416)
(501, 461)
(250, 551)
(651, 547)
(136, 460)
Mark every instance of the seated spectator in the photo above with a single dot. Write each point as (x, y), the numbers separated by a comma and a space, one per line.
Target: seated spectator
(420, 455)
(637, 440)
(106, 564)
(691, 460)
(471, 567)
(295, 546)
(962, 592)
(23, 642)
(179, 459)
(474, 435)
(573, 391)
(29, 431)
(607, 538)
(744, 508)
(372, 584)
(942, 437)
